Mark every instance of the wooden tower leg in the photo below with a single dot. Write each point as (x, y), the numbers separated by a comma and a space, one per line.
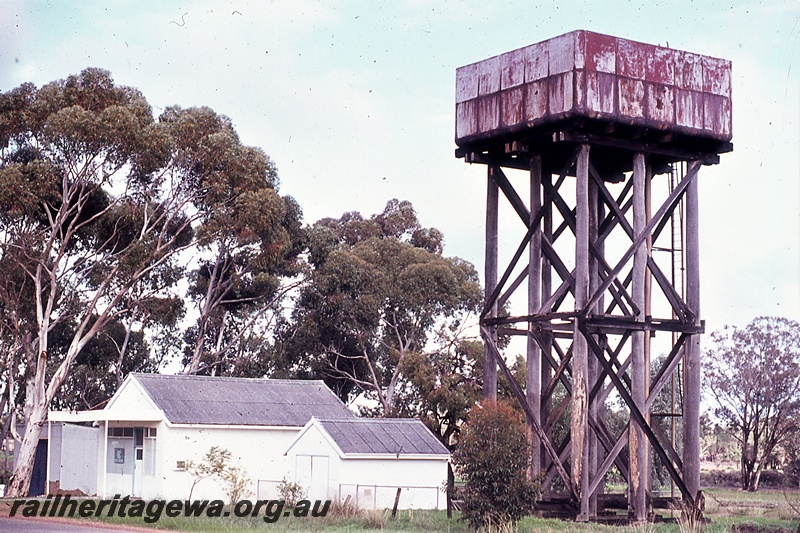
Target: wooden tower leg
(593, 364)
(490, 277)
(533, 366)
(547, 290)
(579, 427)
(691, 402)
(637, 489)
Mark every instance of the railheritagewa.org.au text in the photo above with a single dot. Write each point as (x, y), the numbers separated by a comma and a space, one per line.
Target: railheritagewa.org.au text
(152, 511)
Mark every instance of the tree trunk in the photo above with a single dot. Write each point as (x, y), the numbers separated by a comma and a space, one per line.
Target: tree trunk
(756, 477)
(21, 480)
(451, 485)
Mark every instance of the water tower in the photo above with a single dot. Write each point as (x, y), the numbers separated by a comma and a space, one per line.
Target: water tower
(596, 143)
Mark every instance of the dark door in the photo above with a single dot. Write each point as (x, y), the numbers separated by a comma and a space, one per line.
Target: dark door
(39, 474)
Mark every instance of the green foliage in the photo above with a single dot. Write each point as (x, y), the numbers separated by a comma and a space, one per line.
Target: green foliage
(249, 236)
(215, 463)
(102, 364)
(446, 384)
(493, 456)
(379, 292)
(753, 375)
(235, 481)
(100, 207)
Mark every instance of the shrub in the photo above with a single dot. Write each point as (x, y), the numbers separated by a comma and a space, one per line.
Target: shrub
(792, 471)
(493, 455)
(291, 492)
(215, 464)
(235, 482)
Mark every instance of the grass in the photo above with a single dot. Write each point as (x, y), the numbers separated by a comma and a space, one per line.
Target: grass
(724, 508)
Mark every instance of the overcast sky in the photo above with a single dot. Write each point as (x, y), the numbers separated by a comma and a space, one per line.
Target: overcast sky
(354, 101)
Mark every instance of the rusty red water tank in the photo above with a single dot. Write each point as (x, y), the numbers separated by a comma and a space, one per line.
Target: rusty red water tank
(585, 80)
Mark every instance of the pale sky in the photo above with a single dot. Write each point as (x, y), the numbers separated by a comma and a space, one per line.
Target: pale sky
(354, 101)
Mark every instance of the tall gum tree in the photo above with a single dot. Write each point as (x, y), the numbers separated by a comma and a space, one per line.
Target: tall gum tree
(379, 291)
(249, 237)
(100, 207)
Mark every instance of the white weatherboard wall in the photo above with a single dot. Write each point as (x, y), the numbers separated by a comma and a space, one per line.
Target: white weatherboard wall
(78, 458)
(258, 450)
(72, 456)
(130, 397)
(314, 449)
(371, 481)
(139, 452)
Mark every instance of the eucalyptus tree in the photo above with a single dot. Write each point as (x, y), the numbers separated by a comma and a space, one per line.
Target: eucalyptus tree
(379, 290)
(100, 207)
(753, 375)
(249, 237)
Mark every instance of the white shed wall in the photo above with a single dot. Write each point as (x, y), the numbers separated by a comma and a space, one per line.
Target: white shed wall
(310, 451)
(258, 450)
(371, 483)
(131, 397)
(77, 458)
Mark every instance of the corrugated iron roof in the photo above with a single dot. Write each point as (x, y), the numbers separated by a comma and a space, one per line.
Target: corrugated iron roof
(241, 401)
(383, 436)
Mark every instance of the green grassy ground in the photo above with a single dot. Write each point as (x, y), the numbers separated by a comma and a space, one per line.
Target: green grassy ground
(724, 507)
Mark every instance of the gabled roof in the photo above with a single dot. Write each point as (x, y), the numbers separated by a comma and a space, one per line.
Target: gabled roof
(240, 401)
(377, 436)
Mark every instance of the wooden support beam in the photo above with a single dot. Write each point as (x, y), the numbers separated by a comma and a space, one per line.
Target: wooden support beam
(513, 287)
(558, 295)
(560, 409)
(547, 339)
(691, 402)
(534, 318)
(637, 447)
(492, 300)
(490, 282)
(520, 396)
(617, 325)
(608, 441)
(559, 376)
(596, 259)
(612, 455)
(648, 229)
(533, 364)
(561, 269)
(512, 196)
(665, 441)
(669, 291)
(580, 393)
(617, 291)
(564, 452)
(661, 380)
(636, 415)
(612, 219)
(636, 146)
(563, 367)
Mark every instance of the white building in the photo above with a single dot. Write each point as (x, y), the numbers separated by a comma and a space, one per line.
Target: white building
(155, 424)
(368, 459)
